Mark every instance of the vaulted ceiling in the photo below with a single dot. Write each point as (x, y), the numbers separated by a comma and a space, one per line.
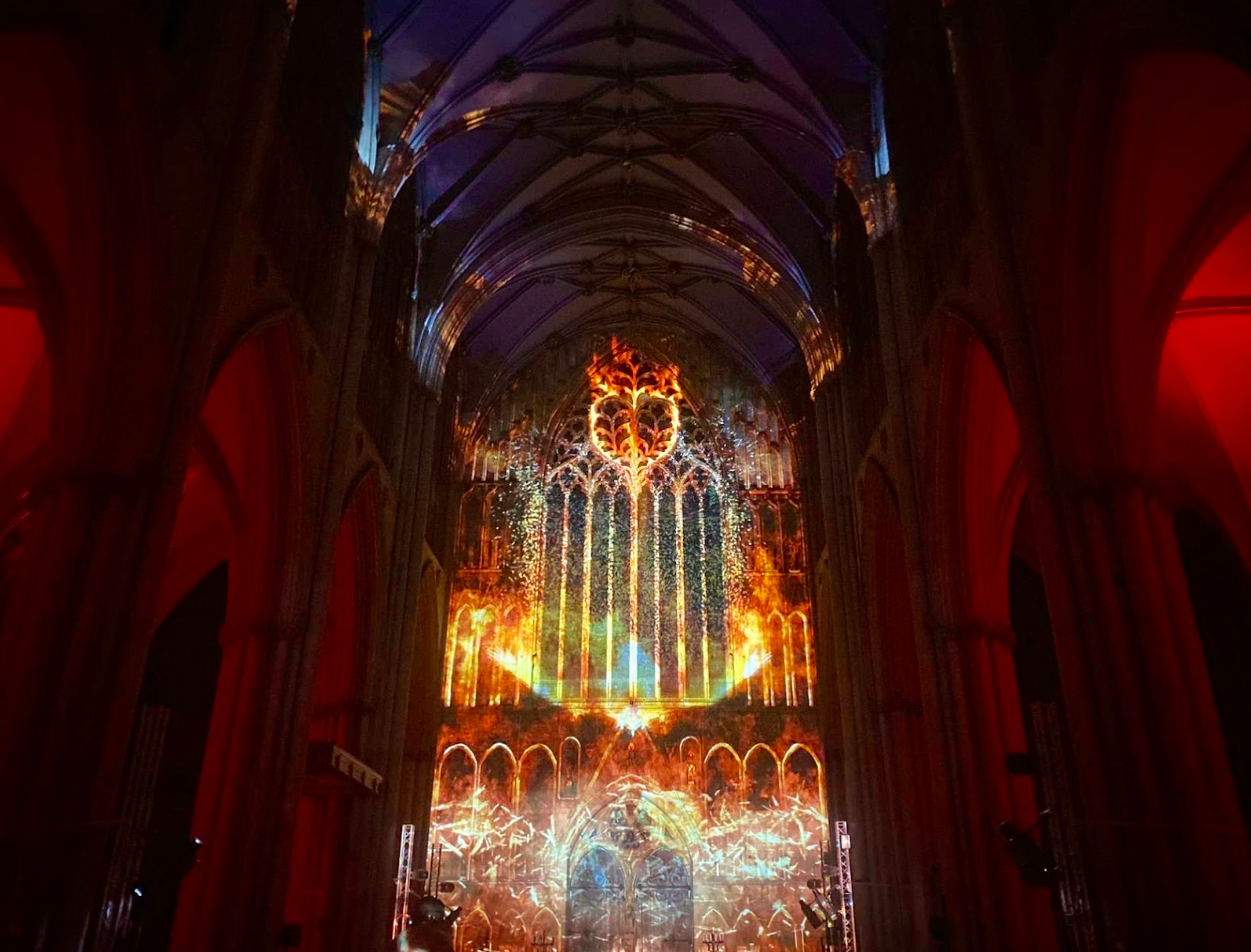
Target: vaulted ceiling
(609, 162)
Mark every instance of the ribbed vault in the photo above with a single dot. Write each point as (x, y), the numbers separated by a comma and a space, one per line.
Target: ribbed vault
(611, 162)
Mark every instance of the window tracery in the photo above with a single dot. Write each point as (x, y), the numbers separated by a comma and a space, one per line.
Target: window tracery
(630, 602)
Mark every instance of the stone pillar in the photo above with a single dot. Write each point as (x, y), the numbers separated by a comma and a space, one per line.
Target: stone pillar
(415, 482)
(425, 710)
(1167, 848)
(858, 725)
(295, 679)
(352, 923)
(244, 797)
(986, 727)
(76, 635)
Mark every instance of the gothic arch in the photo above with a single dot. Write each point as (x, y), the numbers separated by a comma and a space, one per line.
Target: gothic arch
(781, 932)
(1156, 221)
(506, 786)
(762, 775)
(975, 478)
(724, 786)
(747, 931)
(474, 934)
(800, 788)
(245, 503)
(974, 484)
(321, 858)
(545, 922)
(498, 782)
(1201, 461)
(1201, 446)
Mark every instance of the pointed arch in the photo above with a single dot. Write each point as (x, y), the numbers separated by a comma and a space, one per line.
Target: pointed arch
(803, 777)
(780, 934)
(763, 776)
(545, 925)
(724, 787)
(474, 933)
(748, 932)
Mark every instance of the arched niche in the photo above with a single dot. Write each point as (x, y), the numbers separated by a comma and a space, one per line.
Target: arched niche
(570, 768)
(488, 674)
(473, 934)
(802, 663)
(691, 757)
(536, 803)
(803, 784)
(780, 934)
(723, 783)
(748, 932)
(497, 814)
(777, 688)
(762, 774)
(455, 813)
(544, 930)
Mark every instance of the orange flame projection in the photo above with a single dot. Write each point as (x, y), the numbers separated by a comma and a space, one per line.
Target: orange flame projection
(609, 665)
(771, 635)
(634, 416)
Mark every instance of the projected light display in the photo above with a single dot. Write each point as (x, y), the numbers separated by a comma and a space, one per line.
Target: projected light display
(629, 759)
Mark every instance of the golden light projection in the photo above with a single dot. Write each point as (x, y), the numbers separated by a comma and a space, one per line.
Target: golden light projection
(634, 415)
(629, 757)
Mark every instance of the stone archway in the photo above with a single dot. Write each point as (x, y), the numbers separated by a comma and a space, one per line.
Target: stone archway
(628, 889)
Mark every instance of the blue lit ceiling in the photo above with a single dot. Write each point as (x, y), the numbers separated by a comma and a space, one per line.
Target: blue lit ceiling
(610, 162)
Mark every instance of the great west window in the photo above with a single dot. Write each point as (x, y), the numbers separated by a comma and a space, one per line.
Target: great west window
(629, 757)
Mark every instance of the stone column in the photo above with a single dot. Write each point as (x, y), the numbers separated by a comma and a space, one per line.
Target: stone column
(415, 484)
(74, 642)
(987, 726)
(858, 724)
(243, 802)
(1167, 849)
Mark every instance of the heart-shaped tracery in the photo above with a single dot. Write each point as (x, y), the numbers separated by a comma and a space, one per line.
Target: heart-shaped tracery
(634, 417)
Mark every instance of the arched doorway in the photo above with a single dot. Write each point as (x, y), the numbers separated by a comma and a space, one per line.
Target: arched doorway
(629, 886)
(596, 901)
(663, 906)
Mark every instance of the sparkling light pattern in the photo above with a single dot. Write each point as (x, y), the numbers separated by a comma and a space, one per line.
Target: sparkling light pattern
(629, 758)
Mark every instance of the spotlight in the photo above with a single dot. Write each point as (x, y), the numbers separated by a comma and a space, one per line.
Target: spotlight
(811, 915)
